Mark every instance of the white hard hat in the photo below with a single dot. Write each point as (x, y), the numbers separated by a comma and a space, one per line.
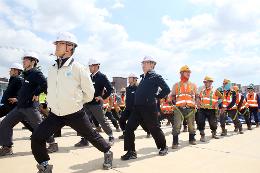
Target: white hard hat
(93, 62)
(17, 66)
(148, 59)
(67, 37)
(31, 55)
(132, 75)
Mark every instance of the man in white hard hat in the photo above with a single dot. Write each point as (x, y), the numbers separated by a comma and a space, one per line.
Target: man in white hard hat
(27, 103)
(9, 99)
(145, 109)
(69, 87)
(94, 108)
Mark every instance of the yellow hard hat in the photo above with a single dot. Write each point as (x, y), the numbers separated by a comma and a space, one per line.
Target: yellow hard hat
(207, 78)
(185, 68)
(226, 81)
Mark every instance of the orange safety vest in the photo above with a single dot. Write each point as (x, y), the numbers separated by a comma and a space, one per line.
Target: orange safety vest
(209, 99)
(185, 95)
(227, 99)
(166, 108)
(122, 104)
(244, 104)
(252, 100)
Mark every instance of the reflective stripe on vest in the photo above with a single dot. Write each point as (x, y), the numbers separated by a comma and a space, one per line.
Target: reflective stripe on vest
(208, 101)
(227, 100)
(185, 96)
(165, 107)
(252, 102)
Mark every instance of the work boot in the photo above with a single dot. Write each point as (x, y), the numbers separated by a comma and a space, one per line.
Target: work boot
(148, 135)
(82, 143)
(241, 131)
(185, 129)
(214, 135)
(202, 138)
(108, 159)
(236, 129)
(163, 151)
(175, 142)
(5, 151)
(224, 132)
(249, 127)
(99, 129)
(45, 169)
(192, 140)
(111, 140)
(129, 155)
(53, 147)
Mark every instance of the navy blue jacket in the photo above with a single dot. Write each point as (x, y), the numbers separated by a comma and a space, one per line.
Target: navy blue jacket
(100, 81)
(34, 84)
(12, 89)
(130, 97)
(147, 91)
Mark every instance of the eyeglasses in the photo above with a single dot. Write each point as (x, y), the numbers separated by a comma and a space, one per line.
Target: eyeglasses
(63, 43)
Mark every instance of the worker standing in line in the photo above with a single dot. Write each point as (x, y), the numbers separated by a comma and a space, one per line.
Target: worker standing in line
(208, 107)
(145, 109)
(253, 101)
(69, 87)
(184, 95)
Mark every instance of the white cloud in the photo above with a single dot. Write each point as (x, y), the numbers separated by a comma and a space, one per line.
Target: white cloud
(66, 14)
(118, 4)
(231, 30)
(193, 33)
(119, 56)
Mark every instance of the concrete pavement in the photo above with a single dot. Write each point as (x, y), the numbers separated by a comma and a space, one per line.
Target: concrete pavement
(234, 153)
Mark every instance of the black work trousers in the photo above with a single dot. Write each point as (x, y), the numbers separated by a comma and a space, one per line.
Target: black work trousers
(79, 121)
(5, 109)
(148, 116)
(209, 114)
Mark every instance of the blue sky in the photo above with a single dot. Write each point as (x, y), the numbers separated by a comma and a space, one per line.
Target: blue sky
(142, 19)
(220, 38)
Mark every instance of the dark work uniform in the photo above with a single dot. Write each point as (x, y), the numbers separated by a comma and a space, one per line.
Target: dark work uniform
(232, 113)
(94, 108)
(145, 110)
(244, 111)
(13, 87)
(34, 83)
(129, 106)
